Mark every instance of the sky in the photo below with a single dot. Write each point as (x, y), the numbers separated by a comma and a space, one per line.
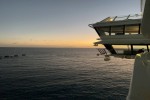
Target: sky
(57, 23)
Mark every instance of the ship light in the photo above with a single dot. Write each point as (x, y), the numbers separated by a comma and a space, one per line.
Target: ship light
(110, 19)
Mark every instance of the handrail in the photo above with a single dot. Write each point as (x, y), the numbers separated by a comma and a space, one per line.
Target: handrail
(117, 18)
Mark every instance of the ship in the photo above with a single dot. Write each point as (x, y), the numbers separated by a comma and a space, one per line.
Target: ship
(121, 35)
(132, 32)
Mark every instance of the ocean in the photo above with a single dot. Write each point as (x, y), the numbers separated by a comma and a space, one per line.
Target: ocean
(63, 74)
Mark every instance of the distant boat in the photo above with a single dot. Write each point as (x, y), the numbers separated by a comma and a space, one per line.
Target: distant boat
(16, 55)
(6, 56)
(23, 54)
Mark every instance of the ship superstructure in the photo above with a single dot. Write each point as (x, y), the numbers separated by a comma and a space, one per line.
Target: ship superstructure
(121, 35)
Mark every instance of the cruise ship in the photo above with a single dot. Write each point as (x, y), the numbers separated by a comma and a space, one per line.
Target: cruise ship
(121, 35)
(130, 34)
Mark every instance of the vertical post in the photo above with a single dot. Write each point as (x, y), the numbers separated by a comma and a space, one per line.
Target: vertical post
(124, 28)
(139, 29)
(131, 49)
(147, 48)
(109, 30)
(97, 31)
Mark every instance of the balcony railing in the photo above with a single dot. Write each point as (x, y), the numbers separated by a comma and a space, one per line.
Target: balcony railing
(119, 18)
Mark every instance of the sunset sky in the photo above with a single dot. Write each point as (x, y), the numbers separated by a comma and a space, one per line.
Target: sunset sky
(56, 23)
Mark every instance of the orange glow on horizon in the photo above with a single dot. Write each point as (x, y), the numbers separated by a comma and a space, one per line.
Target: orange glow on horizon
(46, 43)
(80, 40)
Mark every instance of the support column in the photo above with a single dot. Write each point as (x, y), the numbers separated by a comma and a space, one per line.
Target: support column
(110, 48)
(147, 48)
(97, 31)
(124, 28)
(139, 32)
(131, 49)
(109, 30)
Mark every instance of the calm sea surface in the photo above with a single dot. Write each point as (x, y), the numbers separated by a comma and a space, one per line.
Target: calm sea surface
(62, 74)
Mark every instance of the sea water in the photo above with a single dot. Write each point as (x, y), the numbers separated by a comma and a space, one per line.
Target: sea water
(63, 74)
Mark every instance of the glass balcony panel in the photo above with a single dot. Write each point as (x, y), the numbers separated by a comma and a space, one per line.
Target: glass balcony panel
(132, 29)
(117, 29)
(105, 29)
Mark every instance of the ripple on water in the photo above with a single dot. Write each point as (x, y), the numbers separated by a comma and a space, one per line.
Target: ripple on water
(69, 74)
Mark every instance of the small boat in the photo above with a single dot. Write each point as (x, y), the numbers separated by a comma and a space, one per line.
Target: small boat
(23, 54)
(6, 56)
(107, 58)
(16, 55)
(98, 54)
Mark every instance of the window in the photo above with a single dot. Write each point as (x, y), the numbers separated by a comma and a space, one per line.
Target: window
(118, 30)
(137, 47)
(132, 29)
(104, 30)
(121, 49)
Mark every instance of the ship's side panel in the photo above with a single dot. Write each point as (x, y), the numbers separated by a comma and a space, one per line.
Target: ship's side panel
(146, 20)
